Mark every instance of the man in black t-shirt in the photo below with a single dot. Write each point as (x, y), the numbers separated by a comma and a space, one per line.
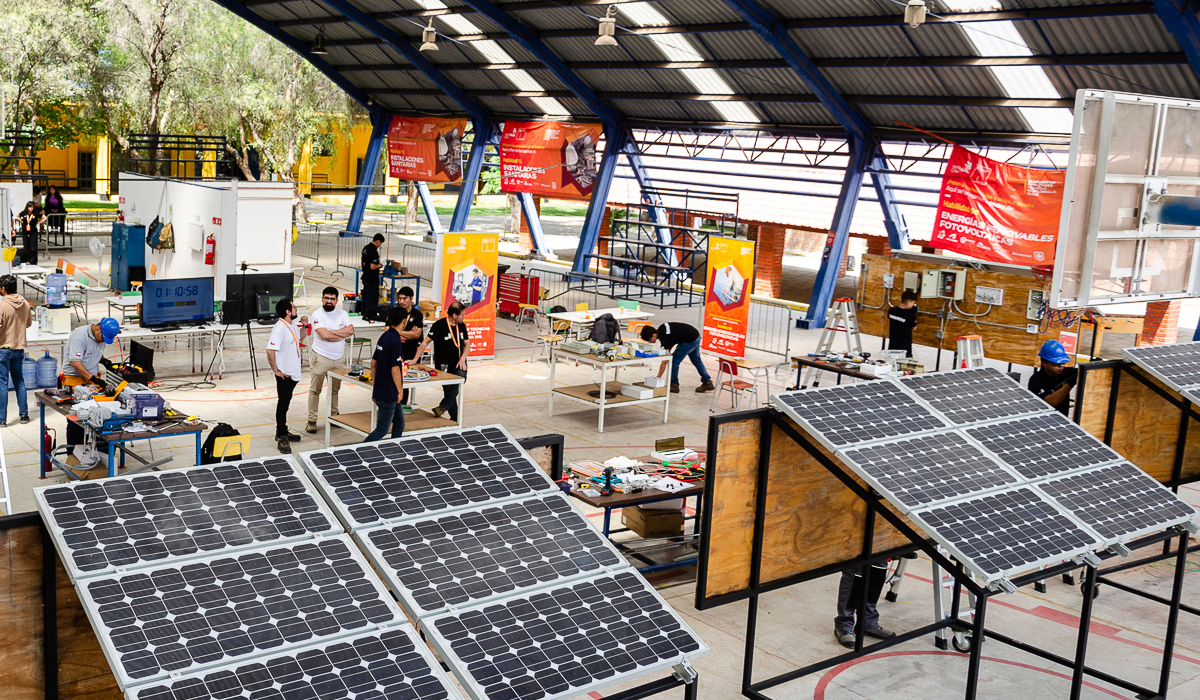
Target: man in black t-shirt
(387, 378)
(451, 345)
(1053, 381)
(902, 320)
(681, 340)
(411, 329)
(370, 273)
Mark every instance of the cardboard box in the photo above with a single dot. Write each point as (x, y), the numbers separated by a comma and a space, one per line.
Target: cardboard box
(652, 524)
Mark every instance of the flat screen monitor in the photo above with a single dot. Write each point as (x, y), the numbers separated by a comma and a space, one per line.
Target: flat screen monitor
(266, 302)
(242, 294)
(181, 302)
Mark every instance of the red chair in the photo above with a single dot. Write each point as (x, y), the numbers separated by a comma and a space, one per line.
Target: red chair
(737, 388)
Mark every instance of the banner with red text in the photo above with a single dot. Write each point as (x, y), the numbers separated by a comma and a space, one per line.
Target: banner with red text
(426, 149)
(467, 266)
(549, 159)
(998, 212)
(727, 298)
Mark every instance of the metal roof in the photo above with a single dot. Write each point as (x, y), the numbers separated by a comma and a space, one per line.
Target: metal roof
(664, 70)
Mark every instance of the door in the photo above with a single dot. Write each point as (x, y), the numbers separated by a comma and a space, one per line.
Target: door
(86, 172)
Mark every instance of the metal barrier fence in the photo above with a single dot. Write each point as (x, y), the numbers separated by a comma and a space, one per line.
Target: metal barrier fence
(420, 260)
(557, 290)
(308, 244)
(770, 327)
(349, 251)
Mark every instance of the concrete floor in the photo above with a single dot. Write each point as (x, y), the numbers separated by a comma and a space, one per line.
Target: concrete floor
(795, 625)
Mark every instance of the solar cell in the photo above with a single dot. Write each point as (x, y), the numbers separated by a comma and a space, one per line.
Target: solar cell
(1043, 445)
(966, 396)
(1000, 534)
(846, 415)
(1177, 365)
(562, 642)
(919, 471)
(1119, 501)
(382, 482)
(466, 557)
(386, 665)
(126, 522)
(176, 619)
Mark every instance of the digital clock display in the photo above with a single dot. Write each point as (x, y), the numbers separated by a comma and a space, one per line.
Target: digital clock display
(175, 302)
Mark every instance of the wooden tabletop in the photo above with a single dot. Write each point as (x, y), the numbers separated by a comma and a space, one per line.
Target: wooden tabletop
(831, 367)
(170, 427)
(624, 500)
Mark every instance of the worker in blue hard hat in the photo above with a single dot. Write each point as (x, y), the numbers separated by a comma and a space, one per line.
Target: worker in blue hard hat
(1053, 381)
(81, 361)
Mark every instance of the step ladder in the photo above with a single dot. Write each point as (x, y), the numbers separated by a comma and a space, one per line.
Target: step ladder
(842, 319)
(970, 351)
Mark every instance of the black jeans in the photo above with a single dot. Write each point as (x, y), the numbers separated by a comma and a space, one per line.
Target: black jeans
(450, 395)
(370, 292)
(284, 386)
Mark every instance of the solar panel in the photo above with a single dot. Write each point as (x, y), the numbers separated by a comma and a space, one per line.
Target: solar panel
(383, 482)
(840, 416)
(920, 471)
(1043, 445)
(1177, 365)
(388, 665)
(997, 535)
(176, 619)
(1119, 501)
(562, 642)
(466, 557)
(974, 395)
(125, 522)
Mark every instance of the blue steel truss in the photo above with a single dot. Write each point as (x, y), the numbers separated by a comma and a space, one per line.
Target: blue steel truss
(380, 123)
(1179, 17)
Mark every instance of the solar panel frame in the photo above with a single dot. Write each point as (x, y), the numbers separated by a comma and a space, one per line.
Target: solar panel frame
(465, 564)
(985, 384)
(280, 668)
(353, 523)
(1153, 359)
(139, 485)
(924, 519)
(1041, 428)
(853, 458)
(884, 389)
(477, 691)
(1062, 489)
(126, 682)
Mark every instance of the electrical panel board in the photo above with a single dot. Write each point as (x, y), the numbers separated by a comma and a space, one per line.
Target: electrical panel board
(993, 296)
(1033, 308)
(912, 281)
(943, 284)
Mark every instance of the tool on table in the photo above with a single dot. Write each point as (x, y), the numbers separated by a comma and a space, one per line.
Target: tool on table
(608, 487)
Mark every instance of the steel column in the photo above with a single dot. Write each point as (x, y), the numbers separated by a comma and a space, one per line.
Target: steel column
(893, 220)
(1179, 18)
(827, 276)
(598, 206)
(380, 123)
(484, 136)
(534, 221)
(431, 215)
(657, 213)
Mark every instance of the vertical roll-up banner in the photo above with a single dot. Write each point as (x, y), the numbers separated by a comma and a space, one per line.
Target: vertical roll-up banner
(549, 159)
(727, 298)
(467, 266)
(426, 149)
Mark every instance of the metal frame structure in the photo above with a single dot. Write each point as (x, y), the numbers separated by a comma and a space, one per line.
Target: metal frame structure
(875, 508)
(151, 145)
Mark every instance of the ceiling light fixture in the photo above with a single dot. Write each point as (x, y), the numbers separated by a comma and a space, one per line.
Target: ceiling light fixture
(607, 28)
(914, 13)
(318, 48)
(429, 38)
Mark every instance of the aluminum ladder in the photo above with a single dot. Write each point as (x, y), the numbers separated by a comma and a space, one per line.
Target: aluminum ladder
(843, 319)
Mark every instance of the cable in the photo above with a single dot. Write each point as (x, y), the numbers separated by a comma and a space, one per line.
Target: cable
(180, 385)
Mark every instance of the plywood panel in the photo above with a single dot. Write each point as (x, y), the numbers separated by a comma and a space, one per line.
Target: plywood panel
(1003, 328)
(83, 672)
(812, 519)
(21, 674)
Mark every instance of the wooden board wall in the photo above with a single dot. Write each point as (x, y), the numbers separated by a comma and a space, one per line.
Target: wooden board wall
(1010, 343)
(813, 519)
(1145, 425)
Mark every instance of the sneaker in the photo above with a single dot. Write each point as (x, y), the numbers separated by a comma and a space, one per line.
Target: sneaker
(407, 409)
(285, 446)
(24, 419)
(845, 638)
(311, 427)
(879, 633)
(674, 388)
(439, 410)
(293, 437)
(706, 387)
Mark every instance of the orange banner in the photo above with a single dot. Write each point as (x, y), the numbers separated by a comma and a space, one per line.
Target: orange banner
(468, 264)
(998, 212)
(549, 159)
(727, 299)
(426, 149)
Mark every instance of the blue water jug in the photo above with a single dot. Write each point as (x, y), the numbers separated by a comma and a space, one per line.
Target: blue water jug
(56, 290)
(47, 372)
(29, 371)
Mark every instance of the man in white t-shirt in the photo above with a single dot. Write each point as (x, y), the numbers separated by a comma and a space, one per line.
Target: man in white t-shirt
(283, 352)
(330, 327)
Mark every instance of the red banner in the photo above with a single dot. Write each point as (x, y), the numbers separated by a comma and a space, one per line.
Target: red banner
(727, 298)
(426, 149)
(998, 212)
(549, 159)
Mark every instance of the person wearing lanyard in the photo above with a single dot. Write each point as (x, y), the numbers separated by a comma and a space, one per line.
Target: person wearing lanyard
(28, 222)
(283, 352)
(411, 330)
(451, 345)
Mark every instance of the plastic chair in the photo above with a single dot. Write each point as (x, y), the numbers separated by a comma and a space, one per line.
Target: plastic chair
(635, 328)
(629, 305)
(222, 445)
(581, 306)
(737, 388)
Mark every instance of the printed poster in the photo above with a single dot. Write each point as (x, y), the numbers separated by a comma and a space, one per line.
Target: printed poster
(426, 149)
(998, 212)
(549, 159)
(467, 270)
(727, 297)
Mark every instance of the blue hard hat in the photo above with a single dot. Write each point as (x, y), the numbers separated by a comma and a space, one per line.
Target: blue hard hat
(1053, 351)
(109, 328)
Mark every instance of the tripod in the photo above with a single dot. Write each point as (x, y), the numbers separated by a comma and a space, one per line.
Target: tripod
(249, 335)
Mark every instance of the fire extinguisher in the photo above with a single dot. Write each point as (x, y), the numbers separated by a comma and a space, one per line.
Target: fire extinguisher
(210, 250)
